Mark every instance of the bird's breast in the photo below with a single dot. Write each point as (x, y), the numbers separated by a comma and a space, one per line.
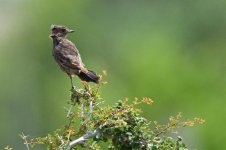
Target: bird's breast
(58, 47)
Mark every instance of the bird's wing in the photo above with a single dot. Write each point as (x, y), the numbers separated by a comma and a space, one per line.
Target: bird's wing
(68, 54)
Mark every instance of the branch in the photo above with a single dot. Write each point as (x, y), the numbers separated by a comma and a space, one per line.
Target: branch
(83, 138)
(165, 129)
(25, 140)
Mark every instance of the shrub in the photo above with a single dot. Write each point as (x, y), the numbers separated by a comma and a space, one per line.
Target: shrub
(121, 126)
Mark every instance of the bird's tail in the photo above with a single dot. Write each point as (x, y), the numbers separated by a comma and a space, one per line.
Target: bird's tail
(89, 76)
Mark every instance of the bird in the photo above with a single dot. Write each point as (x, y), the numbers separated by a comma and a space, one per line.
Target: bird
(67, 55)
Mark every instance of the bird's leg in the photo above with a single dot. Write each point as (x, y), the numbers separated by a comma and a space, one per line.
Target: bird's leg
(72, 86)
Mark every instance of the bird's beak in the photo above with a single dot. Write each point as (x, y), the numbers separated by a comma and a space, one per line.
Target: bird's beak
(70, 31)
(52, 35)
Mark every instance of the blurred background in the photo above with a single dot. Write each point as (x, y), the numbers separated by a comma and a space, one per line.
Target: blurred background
(173, 52)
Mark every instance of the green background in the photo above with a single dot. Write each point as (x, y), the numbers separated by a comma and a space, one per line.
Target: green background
(172, 51)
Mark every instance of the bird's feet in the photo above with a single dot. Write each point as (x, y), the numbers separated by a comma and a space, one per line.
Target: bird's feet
(73, 88)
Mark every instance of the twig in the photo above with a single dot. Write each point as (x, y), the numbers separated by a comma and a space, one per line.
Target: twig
(60, 139)
(74, 99)
(82, 110)
(69, 111)
(90, 111)
(84, 138)
(91, 108)
(89, 114)
(25, 140)
(165, 129)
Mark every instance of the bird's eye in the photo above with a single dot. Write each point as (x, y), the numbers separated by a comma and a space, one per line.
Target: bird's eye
(53, 29)
(63, 30)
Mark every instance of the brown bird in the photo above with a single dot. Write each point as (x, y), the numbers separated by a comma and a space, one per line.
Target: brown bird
(67, 55)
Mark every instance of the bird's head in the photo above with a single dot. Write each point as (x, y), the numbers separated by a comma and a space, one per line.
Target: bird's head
(59, 31)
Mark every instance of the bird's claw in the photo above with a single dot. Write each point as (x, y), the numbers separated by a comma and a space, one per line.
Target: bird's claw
(73, 88)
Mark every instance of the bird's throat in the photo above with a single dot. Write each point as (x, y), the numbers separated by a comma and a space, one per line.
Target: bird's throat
(56, 41)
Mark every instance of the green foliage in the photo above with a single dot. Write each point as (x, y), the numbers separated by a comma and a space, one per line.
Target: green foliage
(7, 148)
(121, 126)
